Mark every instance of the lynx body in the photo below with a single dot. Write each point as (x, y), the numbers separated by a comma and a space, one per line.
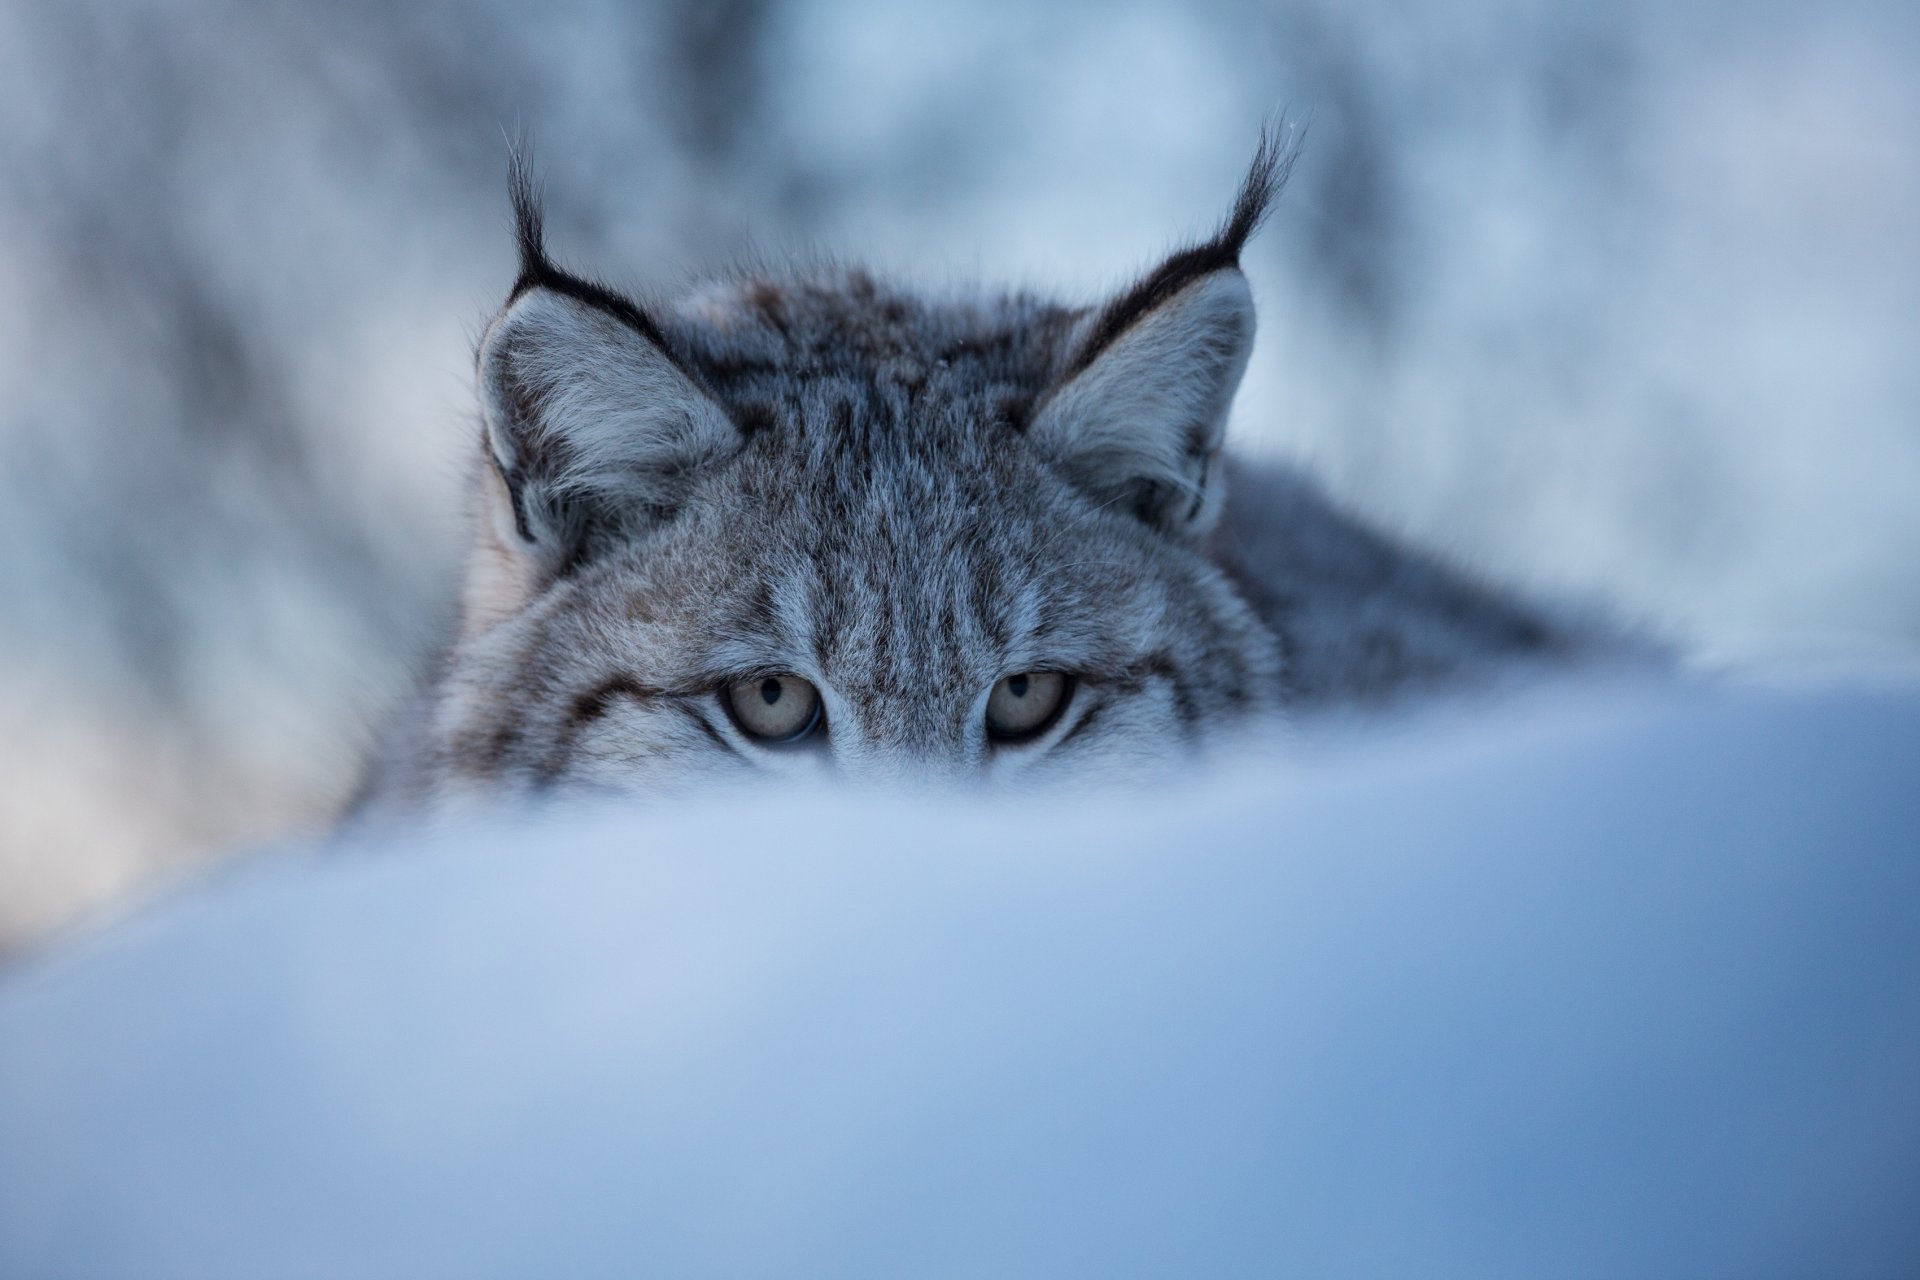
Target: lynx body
(808, 524)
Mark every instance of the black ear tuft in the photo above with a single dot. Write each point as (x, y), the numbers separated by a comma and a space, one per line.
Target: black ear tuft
(529, 231)
(537, 270)
(1272, 164)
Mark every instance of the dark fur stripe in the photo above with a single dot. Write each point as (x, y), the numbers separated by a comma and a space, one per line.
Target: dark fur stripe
(707, 728)
(583, 711)
(1086, 722)
(1160, 665)
(590, 706)
(537, 270)
(1272, 164)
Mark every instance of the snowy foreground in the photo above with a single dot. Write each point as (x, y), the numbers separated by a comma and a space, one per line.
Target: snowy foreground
(1622, 984)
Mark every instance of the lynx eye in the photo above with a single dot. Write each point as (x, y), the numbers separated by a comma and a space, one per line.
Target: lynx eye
(774, 709)
(1025, 705)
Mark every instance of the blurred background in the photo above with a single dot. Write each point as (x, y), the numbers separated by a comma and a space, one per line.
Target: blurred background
(1619, 300)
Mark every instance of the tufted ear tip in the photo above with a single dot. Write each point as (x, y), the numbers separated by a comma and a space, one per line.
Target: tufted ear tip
(1141, 404)
(529, 232)
(1267, 175)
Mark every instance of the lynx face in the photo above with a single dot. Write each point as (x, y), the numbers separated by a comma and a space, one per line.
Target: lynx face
(810, 525)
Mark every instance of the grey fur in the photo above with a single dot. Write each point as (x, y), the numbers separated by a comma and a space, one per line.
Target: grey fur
(902, 500)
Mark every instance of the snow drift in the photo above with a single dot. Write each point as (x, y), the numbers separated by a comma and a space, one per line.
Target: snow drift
(1621, 983)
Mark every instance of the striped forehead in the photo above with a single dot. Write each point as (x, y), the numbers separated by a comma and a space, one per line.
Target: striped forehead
(895, 537)
(887, 576)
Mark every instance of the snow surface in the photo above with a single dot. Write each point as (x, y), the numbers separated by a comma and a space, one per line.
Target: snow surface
(1615, 984)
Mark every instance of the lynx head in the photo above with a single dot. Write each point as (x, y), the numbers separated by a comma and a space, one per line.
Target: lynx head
(809, 523)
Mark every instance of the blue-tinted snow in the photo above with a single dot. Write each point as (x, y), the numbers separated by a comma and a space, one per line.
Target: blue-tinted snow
(1618, 984)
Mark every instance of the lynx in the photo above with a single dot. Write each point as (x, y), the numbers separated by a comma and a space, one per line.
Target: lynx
(803, 522)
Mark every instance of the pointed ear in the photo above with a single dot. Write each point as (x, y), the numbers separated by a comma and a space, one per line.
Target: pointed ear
(1140, 411)
(593, 427)
(591, 424)
(1140, 425)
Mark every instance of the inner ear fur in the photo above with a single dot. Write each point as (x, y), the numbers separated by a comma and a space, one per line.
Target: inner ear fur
(591, 423)
(1140, 425)
(1140, 409)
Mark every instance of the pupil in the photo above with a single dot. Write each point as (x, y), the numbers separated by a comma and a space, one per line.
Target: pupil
(1017, 686)
(770, 690)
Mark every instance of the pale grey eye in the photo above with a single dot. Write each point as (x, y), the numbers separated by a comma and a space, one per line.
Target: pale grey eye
(1025, 704)
(774, 709)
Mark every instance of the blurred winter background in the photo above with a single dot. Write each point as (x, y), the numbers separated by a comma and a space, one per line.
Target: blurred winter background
(1622, 298)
